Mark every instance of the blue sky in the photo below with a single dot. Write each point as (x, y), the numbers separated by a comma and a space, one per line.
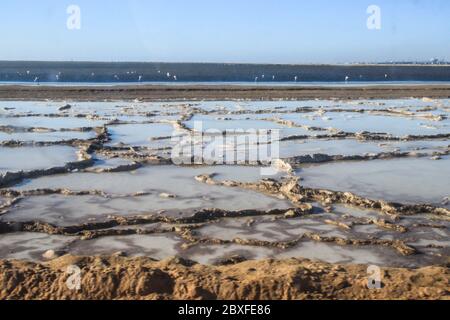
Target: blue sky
(254, 31)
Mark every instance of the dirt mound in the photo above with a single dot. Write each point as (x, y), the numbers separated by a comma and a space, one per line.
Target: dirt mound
(143, 278)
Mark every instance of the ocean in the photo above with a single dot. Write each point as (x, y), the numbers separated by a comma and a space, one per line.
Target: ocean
(113, 73)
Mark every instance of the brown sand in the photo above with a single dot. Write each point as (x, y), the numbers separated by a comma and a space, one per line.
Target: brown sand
(142, 278)
(219, 92)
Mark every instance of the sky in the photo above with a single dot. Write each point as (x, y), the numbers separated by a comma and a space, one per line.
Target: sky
(231, 31)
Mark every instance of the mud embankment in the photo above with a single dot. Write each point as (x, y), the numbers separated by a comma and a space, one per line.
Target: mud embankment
(179, 92)
(142, 278)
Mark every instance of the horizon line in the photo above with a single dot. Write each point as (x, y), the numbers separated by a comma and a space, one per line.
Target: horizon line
(393, 63)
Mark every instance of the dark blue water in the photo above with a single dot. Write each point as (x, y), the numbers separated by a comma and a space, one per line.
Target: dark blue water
(110, 73)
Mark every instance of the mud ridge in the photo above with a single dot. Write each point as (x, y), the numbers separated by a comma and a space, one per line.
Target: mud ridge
(400, 246)
(291, 189)
(368, 136)
(324, 158)
(323, 111)
(197, 218)
(11, 178)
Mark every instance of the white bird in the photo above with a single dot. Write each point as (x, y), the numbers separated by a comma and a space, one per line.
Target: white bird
(273, 77)
(140, 78)
(347, 78)
(295, 78)
(256, 79)
(263, 76)
(385, 76)
(28, 71)
(168, 75)
(175, 78)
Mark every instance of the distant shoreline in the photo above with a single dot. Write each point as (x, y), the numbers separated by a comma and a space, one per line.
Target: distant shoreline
(218, 92)
(349, 64)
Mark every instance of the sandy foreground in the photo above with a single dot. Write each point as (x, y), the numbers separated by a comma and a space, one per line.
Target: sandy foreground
(119, 277)
(202, 92)
(142, 278)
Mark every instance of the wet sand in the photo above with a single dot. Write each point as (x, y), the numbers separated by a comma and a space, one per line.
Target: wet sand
(229, 92)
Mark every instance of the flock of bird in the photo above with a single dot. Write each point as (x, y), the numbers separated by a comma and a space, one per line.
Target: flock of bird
(174, 77)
